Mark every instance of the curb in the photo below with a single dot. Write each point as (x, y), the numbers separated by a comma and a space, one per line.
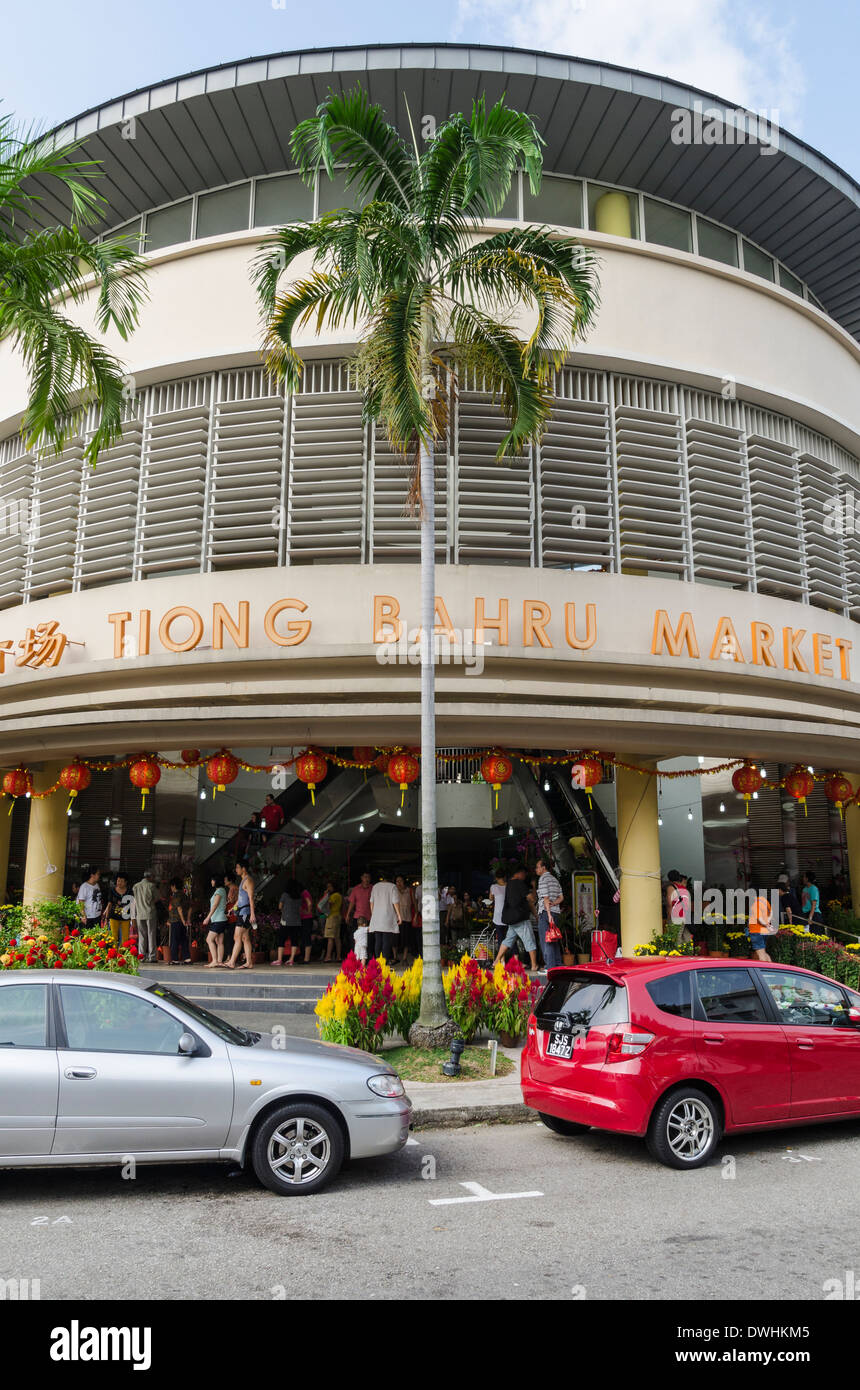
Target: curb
(456, 1116)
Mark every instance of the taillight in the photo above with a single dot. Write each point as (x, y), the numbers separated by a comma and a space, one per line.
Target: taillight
(622, 1045)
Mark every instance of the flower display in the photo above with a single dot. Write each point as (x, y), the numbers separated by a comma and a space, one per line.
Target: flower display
(354, 1010)
(72, 951)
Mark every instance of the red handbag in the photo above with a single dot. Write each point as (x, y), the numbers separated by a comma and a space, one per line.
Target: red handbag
(553, 932)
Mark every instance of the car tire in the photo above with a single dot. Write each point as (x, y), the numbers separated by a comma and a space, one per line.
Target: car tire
(565, 1127)
(685, 1129)
(298, 1149)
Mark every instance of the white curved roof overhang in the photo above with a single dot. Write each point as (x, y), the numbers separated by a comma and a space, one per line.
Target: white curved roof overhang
(599, 121)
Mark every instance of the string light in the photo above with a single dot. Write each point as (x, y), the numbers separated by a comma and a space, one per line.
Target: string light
(659, 820)
(361, 828)
(689, 815)
(531, 814)
(510, 830)
(546, 786)
(107, 820)
(722, 806)
(144, 831)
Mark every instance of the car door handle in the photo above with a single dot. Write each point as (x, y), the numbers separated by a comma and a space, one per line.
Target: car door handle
(805, 1043)
(80, 1073)
(713, 1037)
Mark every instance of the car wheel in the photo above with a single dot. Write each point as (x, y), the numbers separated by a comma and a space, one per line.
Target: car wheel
(297, 1149)
(566, 1127)
(685, 1129)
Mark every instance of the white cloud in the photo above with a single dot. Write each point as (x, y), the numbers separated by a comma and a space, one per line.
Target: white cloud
(738, 51)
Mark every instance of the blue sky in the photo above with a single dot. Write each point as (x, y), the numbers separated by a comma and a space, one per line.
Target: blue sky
(791, 58)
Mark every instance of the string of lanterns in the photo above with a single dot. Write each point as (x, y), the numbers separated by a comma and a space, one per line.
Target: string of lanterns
(402, 766)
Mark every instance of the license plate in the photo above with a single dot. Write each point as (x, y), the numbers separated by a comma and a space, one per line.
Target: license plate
(560, 1045)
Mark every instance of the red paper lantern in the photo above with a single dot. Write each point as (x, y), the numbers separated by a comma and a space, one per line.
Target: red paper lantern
(838, 790)
(497, 769)
(799, 783)
(403, 768)
(381, 763)
(747, 779)
(221, 768)
(311, 768)
(144, 773)
(362, 754)
(75, 777)
(17, 783)
(190, 755)
(585, 774)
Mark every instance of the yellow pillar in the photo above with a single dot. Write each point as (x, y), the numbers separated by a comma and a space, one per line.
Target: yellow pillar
(852, 837)
(638, 855)
(612, 215)
(44, 869)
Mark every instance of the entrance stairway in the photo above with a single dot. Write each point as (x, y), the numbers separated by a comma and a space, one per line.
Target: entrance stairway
(236, 992)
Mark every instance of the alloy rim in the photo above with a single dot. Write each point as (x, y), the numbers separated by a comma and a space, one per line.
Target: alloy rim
(299, 1150)
(689, 1129)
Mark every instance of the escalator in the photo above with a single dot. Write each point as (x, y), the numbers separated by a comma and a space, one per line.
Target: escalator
(573, 814)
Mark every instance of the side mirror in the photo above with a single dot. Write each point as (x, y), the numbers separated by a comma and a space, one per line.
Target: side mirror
(854, 1017)
(188, 1043)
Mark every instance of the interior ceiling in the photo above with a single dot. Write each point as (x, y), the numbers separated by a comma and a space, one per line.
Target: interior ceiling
(599, 121)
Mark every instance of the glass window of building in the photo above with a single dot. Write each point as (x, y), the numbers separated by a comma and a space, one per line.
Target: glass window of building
(335, 194)
(668, 226)
(559, 202)
(716, 242)
(282, 199)
(168, 227)
(131, 230)
(789, 281)
(510, 209)
(756, 262)
(227, 210)
(613, 211)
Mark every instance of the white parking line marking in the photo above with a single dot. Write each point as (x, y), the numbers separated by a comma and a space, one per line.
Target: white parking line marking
(800, 1158)
(479, 1194)
(410, 1140)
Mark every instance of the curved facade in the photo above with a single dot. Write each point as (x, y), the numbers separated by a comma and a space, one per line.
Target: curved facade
(673, 571)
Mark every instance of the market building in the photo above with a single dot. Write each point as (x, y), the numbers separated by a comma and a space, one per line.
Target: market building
(671, 579)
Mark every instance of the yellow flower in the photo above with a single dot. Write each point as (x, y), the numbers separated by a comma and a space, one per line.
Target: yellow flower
(4, 960)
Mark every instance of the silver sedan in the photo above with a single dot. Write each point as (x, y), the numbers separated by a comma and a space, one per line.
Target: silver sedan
(98, 1068)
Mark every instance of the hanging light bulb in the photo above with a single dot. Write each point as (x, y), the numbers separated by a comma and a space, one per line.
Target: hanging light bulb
(144, 831)
(659, 820)
(701, 759)
(689, 815)
(361, 828)
(755, 796)
(510, 830)
(722, 806)
(27, 794)
(316, 834)
(531, 814)
(69, 811)
(763, 773)
(810, 769)
(107, 820)
(211, 839)
(546, 786)
(202, 796)
(399, 812)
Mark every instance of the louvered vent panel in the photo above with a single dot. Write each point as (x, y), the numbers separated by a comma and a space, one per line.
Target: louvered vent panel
(18, 517)
(819, 491)
(651, 505)
(718, 503)
(576, 482)
(325, 518)
(109, 501)
(847, 520)
(777, 537)
(495, 499)
(173, 486)
(49, 566)
(396, 533)
(247, 466)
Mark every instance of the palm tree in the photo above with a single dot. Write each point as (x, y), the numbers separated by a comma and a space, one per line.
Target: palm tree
(43, 267)
(432, 297)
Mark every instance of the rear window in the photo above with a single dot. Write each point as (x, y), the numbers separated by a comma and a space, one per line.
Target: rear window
(672, 994)
(585, 999)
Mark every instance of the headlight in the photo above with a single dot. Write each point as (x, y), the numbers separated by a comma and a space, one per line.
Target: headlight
(386, 1083)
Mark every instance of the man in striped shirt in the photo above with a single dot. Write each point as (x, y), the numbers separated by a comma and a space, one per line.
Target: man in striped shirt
(550, 897)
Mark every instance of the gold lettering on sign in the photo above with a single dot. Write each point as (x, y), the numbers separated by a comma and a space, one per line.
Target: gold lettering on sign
(387, 626)
(143, 632)
(119, 621)
(500, 624)
(580, 644)
(298, 629)
(443, 625)
(792, 660)
(821, 652)
(665, 636)
(726, 644)
(170, 617)
(762, 641)
(536, 615)
(222, 621)
(843, 646)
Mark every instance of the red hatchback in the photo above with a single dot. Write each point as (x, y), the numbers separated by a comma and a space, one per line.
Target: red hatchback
(682, 1051)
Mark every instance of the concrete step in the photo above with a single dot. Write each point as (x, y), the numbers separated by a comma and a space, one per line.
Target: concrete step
(251, 991)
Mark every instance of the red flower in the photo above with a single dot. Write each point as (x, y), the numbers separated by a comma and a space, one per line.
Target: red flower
(381, 1021)
(362, 1014)
(91, 965)
(112, 953)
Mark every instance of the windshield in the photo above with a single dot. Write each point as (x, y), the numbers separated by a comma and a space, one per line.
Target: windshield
(584, 1000)
(240, 1037)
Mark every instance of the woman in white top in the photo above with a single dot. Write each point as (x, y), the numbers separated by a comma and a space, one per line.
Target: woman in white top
(407, 910)
(384, 918)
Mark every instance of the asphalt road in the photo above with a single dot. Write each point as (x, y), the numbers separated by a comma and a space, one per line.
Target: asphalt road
(609, 1223)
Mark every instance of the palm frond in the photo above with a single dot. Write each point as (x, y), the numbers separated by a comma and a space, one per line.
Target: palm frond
(350, 129)
(482, 343)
